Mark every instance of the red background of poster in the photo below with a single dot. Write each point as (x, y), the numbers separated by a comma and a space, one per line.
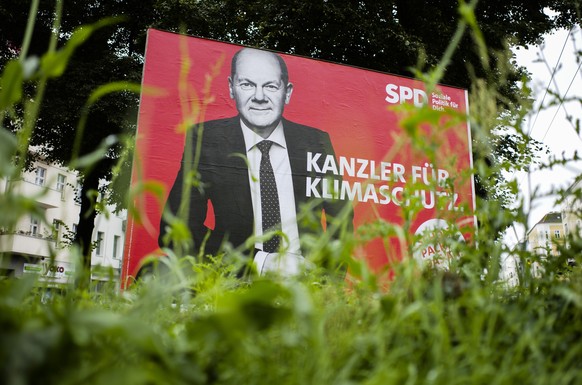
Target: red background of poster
(185, 80)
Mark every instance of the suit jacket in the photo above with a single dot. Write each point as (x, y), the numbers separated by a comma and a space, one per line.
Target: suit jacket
(224, 181)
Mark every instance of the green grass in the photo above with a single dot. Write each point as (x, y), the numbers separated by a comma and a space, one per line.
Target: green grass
(430, 328)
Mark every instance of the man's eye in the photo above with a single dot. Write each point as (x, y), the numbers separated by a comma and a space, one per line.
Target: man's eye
(271, 87)
(246, 86)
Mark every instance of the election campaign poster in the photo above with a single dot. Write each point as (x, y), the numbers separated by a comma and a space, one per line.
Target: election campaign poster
(240, 142)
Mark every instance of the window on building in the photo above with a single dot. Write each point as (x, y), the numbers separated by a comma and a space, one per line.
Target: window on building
(99, 243)
(56, 228)
(547, 235)
(75, 228)
(557, 234)
(116, 240)
(34, 226)
(78, 191)
(40, 176)
(61, 182)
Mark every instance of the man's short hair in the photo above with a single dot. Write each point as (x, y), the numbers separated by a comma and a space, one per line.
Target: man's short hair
(282, 65)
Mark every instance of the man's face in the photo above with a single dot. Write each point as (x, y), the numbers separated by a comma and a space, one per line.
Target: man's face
(258, 90)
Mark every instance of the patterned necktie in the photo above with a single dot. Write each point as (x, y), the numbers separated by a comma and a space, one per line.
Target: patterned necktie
(271, 213)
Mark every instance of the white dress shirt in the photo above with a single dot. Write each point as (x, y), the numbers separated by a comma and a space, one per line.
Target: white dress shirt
(288, 263)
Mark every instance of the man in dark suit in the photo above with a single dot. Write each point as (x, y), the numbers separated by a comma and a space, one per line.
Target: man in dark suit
(253, 169)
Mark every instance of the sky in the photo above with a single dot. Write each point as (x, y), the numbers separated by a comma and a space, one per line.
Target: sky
(554, 65)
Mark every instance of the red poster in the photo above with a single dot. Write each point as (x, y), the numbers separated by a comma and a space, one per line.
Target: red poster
(278, 132)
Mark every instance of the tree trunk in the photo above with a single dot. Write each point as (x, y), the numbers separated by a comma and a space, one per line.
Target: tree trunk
(85, 227)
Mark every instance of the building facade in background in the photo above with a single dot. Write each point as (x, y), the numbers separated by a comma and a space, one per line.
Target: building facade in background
(543, 239)
(44, 235)
(572, 210)
(545, 236)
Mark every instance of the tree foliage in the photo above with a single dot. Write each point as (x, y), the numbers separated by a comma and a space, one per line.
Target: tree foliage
(97, 62)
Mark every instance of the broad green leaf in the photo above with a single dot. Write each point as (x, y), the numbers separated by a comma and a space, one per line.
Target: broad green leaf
(11, 84)
(95, 156)
(109, 88)
(53, 64)
(7, 152)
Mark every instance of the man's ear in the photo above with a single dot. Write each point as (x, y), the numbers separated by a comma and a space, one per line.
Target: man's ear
(288, 92)
(230, 87)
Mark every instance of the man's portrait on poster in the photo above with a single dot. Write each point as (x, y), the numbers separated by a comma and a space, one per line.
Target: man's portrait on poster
(252, 170)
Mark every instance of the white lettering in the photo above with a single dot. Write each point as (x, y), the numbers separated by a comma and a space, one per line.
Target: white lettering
(385, 192)
(351, 193)
(416, 173)
(452, 205)
(362, 170)
(443, 176)
(397, 201)
(347, 165)
(398, 171)
(392, 94)
(311, 187)
(401, 94)
(405, 94)
(329, 165)
(420, 97)
(325, 189)
(373, 170)
(312, 162)
(371, 193)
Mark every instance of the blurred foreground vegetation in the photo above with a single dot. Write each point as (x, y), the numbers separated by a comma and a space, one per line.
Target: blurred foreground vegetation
(430, 328)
